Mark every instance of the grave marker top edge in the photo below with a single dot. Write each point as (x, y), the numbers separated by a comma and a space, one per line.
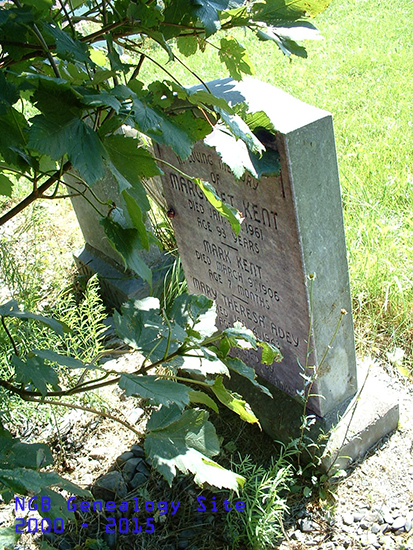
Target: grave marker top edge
(286, 112)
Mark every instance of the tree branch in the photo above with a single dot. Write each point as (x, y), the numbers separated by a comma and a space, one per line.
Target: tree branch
(82, 408)
(36, 194)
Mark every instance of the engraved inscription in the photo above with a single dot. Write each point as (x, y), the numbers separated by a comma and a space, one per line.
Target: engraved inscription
(255, 277)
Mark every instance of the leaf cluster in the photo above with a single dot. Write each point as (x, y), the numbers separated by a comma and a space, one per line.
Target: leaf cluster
(196, 359)
(70, 84)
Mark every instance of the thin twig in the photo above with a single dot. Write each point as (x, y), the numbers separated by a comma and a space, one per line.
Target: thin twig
(82, 408)
(138, 67)
(62, 3)
(34, 195)
(13, 343)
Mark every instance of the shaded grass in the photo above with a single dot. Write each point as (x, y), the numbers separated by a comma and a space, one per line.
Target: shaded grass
(361, 72)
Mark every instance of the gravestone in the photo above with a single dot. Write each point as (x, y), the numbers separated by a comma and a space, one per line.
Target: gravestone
(285, 275)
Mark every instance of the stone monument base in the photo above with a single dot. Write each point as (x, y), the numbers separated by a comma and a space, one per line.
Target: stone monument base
(344, 435)
(117, 285)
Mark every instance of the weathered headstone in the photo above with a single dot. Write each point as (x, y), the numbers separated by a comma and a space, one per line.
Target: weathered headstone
(285, 275)
(293, 229)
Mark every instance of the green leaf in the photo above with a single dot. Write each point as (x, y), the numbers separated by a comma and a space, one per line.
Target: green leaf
(235, 58)
(158, 390)
(233, 401)
(102, 74)
(191, 310)
(6, 186)
(162, 128)
(8, 94)
(62, 360)
(270, 353)
(11, 309)
(72, 137)
(102, 99)
(147, 15)
(204, 97)
(187, 443)
(207, 12)
(239, 334)
(199, 364)
(38, 4)
(228, 212)
(66, 47)
(238, 366)
(129, 163)
(287, 46)
(8, 537)
(234, 153)
(142, 327)
(127, 243)
(23, 455)
(13, 137)
(55, 98)
(187, 45)
(273, 11)
(23, 481)
(241, 130)
(36, 371)
(135, 214)
(58, 506)
(204, 399)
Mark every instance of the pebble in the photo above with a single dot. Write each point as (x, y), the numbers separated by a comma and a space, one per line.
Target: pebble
(388, 518)
(129, 468)
(408, 525)
(110, 486)
(364, 524)
(138, 451)
(138, 480)
(306, 525)
(347, 518)
(399, 523)
(120, 461)
(375, 528)
(358, 516)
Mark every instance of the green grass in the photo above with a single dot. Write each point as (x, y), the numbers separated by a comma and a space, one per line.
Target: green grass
(362, 73)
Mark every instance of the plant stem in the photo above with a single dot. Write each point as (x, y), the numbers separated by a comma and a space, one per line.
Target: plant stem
(13, 343)
(82, 408)
(34, 195)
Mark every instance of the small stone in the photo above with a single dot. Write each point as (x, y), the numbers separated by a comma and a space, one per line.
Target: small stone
(120, 461)
(298, 535)
(138, 480)
(358, 516)
(399, 523)
(372, 517)
(347, 518)
(129, 468)
(138, 451)
(141, 467)
(375, 528)
(364, 524)
(110, 487)
(388, 518)
(399, 531)
(306, 525)
(408, 525)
